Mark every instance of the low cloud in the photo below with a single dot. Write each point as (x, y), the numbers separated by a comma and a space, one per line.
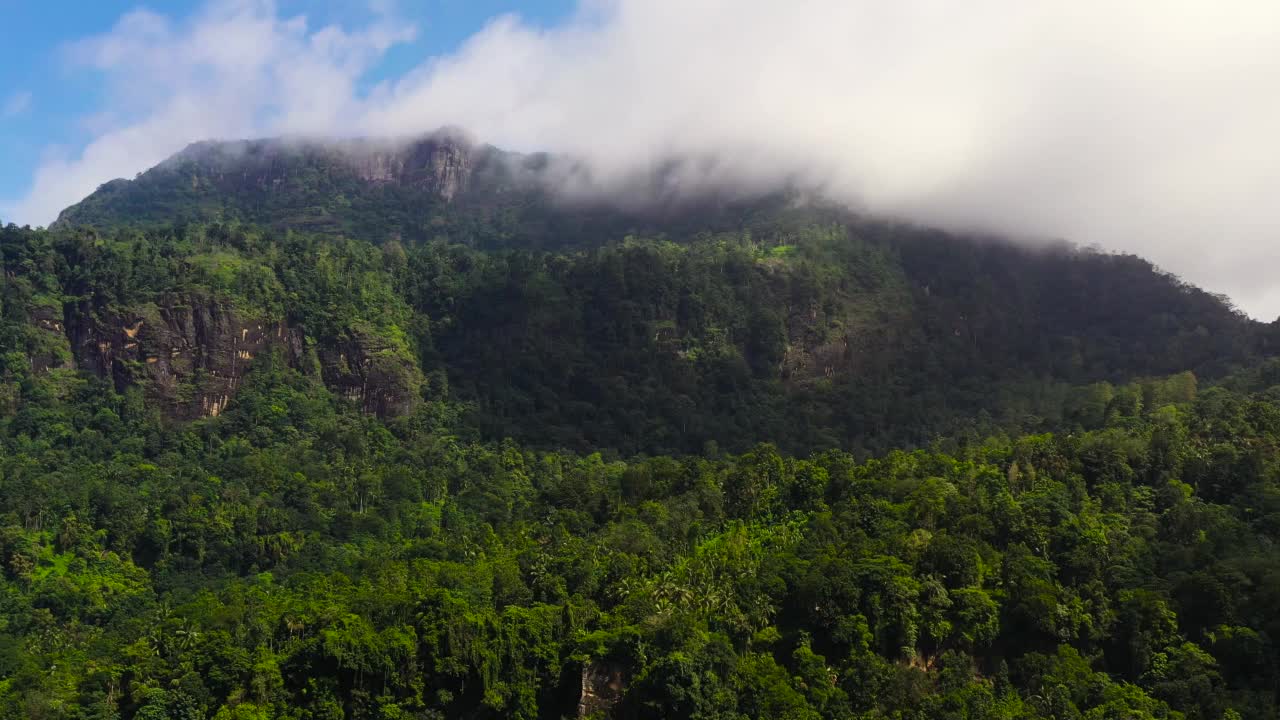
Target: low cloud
(1136, 125)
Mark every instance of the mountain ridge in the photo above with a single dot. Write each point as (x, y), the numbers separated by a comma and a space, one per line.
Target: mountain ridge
(809, 312)
(339, 446)
(442, 183)
(212, 180)
(792, 328)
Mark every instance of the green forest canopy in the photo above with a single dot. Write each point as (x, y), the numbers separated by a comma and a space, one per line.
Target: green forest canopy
(633, 459)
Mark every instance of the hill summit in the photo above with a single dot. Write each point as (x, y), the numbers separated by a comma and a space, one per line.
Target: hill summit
(726, 319)
(332, 185)
(360, 429)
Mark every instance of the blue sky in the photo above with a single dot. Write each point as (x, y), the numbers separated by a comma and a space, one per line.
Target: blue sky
(46, 97)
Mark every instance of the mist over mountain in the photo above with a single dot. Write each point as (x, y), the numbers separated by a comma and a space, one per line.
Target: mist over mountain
(714, 361)
(660, 308)
(417, 187)
(428, 425)
(1135, 129)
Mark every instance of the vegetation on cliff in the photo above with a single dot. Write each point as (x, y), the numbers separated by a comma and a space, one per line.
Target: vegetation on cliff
(292, 557)
(801, 331)
(785, 464)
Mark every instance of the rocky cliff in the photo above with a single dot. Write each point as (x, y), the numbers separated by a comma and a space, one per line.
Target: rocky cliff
(439, 164)
(603, 684)
(190, 353)
(370, 371)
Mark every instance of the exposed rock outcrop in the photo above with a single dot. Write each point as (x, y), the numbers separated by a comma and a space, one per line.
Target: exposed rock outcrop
(191, 353)
(369, 371)
(603, 683)
(441, 166)
(188, 352)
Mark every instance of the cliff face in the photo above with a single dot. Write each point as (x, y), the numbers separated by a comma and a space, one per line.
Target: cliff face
(190, 353)
(440, 167)
(603, 684)
(437, 165)
(367, 370)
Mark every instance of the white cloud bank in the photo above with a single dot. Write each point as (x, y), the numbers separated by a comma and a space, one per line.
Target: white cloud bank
(1147, 126)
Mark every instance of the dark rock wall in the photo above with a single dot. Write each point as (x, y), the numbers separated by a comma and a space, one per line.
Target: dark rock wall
(602, 686)
(191, 353)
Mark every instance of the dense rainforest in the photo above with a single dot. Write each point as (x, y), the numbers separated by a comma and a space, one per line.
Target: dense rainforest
(450, 452)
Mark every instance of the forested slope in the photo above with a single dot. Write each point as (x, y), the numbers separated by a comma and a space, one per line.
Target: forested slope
(448, 450)
(291, 557)
(801, 331)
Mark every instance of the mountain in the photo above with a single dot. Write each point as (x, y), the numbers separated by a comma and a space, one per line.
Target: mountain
(440, 185)
(308, 184)
(366, 429)
(807, 327)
